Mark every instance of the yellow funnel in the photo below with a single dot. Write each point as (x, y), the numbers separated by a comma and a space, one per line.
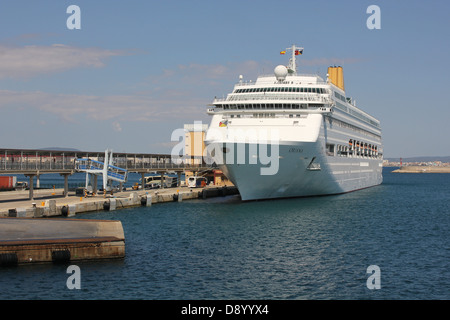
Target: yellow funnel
(336, 76)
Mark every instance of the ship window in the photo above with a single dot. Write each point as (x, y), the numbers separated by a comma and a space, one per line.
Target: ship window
(330, 149)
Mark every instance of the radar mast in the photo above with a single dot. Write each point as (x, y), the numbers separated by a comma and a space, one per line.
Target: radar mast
(292, 67)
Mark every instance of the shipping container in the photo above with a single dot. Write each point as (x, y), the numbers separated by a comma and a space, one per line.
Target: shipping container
(7, 182)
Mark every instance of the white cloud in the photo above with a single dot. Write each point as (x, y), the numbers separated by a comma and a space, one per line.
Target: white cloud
(329, 61)
(195, 74)
(116, 126)
(30, 61)
(72, 108)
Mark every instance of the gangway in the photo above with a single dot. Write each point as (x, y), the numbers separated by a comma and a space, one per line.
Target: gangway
(106, 169)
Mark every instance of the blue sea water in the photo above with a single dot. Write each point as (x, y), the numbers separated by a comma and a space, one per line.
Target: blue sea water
(305, 248)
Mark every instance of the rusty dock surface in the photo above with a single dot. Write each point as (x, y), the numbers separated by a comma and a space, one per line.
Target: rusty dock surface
(28, 240)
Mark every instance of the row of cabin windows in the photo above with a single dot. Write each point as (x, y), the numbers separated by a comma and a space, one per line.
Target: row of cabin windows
(342, 124)
(340, 97)
(360, 148)
(269, 106)
(354, 148)
(356, 114)
(282, 89)
(269, 115)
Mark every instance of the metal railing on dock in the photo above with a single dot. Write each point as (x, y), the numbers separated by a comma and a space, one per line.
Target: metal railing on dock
(18, 161)
(33, 163)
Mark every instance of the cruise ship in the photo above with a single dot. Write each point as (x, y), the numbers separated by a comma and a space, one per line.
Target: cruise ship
(292, 135)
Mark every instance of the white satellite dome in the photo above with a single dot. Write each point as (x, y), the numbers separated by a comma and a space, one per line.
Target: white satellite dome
(280, 72)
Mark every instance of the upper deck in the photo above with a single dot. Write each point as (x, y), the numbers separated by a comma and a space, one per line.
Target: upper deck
(285, 91)
(294, 89)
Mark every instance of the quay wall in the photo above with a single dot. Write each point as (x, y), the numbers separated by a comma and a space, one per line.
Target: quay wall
(72, 205)
(422, 169)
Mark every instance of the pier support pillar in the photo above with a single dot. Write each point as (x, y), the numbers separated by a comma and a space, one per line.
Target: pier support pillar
(94, 185)
(143, 180)
(31, 185)
(179, 179)
(162, 180)
(66, 184)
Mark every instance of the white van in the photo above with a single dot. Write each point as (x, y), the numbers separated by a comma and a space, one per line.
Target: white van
(197, 182)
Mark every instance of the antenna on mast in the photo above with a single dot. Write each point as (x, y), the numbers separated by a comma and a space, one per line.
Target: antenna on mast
(292, 68)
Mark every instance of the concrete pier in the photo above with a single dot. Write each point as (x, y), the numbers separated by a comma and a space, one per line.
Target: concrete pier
(45, 205)
(27, 240)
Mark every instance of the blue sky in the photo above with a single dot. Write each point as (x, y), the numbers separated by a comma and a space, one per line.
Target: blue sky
(137, 70)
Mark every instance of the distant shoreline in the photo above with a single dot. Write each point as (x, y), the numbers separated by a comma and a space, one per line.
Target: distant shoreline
(422, 169)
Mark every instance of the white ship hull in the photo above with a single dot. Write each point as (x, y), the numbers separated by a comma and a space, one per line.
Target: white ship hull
(296, 177)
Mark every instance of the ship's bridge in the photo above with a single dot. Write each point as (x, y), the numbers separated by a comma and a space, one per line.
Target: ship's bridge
(267, 89)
